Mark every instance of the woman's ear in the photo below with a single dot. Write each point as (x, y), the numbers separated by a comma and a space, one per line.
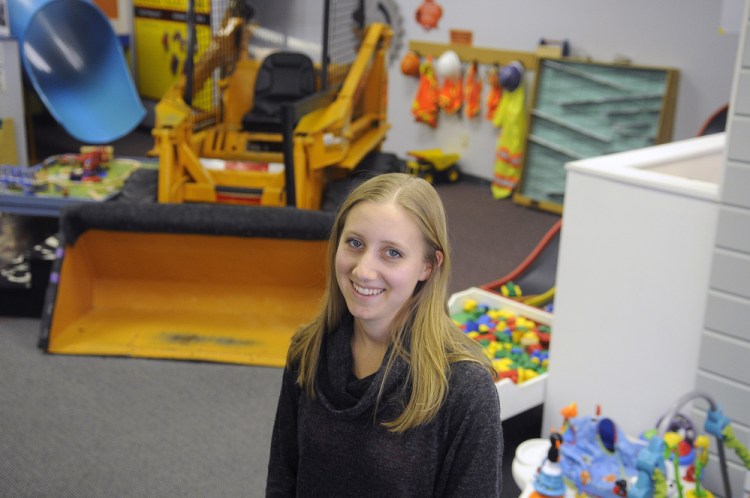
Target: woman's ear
(439, 258)
(429, 266)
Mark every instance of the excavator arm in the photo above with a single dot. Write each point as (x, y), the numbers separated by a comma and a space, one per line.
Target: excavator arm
(340, 135)
(356, 122)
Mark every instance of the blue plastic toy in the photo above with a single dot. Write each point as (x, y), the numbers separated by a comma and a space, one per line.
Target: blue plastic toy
(716, 424)
(77, 66)
(649, 460)
(21, 178)
(597, 458)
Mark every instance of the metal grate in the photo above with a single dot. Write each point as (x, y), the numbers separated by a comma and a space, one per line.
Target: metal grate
(342, 35)
(342, 26)
(205, 19)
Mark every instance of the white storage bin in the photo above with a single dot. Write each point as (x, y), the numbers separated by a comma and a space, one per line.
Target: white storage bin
(514, 398)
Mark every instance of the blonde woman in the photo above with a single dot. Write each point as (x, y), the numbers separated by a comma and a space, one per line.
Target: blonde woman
(382, 394)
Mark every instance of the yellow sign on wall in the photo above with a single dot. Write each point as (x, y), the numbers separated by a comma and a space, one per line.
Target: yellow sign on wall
(160, 28)
(8, 148)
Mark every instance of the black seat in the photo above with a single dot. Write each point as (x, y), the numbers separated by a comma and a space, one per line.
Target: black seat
(283, 78)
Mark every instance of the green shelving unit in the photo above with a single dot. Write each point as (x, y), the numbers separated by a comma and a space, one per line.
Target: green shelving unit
(584, 109)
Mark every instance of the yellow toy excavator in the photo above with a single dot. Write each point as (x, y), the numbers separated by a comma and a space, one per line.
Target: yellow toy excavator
(216, 270)
(283, 127)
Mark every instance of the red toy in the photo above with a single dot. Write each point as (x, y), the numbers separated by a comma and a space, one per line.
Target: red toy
(429, 14)
(88, 165)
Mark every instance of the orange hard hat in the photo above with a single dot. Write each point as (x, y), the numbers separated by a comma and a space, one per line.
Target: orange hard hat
(410, 63)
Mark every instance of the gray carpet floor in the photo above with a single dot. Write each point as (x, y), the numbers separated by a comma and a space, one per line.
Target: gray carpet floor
(89, 426)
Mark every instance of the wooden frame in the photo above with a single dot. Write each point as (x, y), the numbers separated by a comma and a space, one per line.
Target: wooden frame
(480, 55)
(583, 109)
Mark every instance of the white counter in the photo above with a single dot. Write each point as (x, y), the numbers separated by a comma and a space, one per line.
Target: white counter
(635, 250)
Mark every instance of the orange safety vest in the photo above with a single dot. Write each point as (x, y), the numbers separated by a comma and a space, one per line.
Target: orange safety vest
(472, 92)
(424, 108)
(494, 93)
(451, 95)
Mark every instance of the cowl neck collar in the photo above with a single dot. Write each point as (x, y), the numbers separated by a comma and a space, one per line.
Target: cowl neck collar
(339, 391)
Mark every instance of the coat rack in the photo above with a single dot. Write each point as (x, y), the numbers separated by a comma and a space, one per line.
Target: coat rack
(470, 53)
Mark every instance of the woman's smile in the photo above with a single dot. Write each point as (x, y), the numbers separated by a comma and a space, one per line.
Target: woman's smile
(367, 291)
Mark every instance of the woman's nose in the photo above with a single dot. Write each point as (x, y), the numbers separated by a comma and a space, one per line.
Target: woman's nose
(365, 267)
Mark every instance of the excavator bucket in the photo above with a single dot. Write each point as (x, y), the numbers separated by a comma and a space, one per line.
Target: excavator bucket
(216, 283)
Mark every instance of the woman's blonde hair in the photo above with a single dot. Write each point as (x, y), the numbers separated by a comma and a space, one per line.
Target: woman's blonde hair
(423, 334)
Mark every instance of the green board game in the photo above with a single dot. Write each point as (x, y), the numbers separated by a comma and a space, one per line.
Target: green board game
(44, 188)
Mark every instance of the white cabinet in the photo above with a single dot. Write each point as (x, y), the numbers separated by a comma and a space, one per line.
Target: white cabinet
(635, 252)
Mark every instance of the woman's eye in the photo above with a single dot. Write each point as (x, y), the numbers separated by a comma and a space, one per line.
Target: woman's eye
(354, 243)
(392, 253)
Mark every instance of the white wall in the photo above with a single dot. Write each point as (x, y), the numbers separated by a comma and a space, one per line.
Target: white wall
(684, 34)
(300, 21)
(725, 344)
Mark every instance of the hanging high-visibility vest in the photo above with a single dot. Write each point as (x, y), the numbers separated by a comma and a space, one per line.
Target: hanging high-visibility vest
(472, 92)
(451, 95)
(511, 118)
(425, 104)
(494, 93)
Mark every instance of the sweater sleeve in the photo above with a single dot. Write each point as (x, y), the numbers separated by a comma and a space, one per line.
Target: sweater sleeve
(282, 463)
(473, 464)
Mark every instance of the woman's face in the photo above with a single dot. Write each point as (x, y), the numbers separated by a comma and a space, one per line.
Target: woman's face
(379, 260)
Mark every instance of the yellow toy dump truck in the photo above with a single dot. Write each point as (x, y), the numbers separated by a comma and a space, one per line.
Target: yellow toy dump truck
(434, 165)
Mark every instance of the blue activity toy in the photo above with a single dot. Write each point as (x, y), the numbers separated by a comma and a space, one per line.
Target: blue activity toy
(651, 461)
(597, 458)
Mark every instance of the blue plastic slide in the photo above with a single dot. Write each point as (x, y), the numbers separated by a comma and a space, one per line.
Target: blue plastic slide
(72, 57)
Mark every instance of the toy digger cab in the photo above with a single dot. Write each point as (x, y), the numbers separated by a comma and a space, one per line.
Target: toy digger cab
(273, 128)
(231, 259)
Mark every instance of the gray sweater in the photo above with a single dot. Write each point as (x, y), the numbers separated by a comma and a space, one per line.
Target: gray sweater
(334, 445)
